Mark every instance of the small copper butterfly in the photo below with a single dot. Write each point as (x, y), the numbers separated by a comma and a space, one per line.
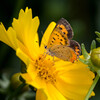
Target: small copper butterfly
(60, 43)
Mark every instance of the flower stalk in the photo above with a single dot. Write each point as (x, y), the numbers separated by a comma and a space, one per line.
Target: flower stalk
(92, 87)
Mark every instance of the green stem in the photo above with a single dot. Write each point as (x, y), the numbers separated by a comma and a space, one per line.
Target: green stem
(92, 87)
(16, 91)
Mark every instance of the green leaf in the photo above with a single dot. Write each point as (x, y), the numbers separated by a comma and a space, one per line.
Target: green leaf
(93, 45)
(84, 61)
(98, 39)
(98, 34)
(84, 52)
(98, 72)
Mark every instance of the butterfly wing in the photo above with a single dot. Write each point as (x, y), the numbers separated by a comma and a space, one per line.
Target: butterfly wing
(60, 43)
(63, 52)
(76, 47)
(61, 34)
(65, 27)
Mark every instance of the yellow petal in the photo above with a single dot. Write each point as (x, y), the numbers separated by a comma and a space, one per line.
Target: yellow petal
(26, 30)
(8, 37)
(24, 49)
(26, 77)
(29, 80)
(62, 65)
(66, 66)
(53, 93)
(64, 89)
(40, 95)
(78, 77)
(75, 83)
(32, 40)
(47, 35)
(23, 56)
(20, 25)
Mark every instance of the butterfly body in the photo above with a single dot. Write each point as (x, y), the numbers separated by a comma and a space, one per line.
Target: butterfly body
(60, 43)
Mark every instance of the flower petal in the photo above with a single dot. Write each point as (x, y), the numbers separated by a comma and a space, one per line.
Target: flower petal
(74, 81)
(8, 37)
(78, 76)
(26, 30)
(29, 80)
(74, 92)
(40, 95)
(53, 93)
(23, 56)
(26, 77)
(47, 35)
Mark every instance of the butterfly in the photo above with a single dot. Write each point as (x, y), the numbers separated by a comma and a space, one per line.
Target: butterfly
(60, 43)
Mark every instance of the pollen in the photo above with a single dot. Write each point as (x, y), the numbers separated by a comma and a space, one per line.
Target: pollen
(45, 69)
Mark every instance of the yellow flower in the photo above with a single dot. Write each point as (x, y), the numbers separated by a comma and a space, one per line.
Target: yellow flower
(54, 79)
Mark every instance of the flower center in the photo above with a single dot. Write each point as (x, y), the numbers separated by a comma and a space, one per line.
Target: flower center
(45, 69)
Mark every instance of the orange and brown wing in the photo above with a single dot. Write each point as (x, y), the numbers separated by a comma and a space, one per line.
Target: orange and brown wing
(76, 47)
(61, 34)
(66, 28)
(63, 52)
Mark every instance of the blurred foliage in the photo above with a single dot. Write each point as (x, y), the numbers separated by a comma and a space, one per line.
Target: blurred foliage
(83, 15)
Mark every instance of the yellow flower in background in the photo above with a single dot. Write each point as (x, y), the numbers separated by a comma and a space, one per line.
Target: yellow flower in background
(54, 79)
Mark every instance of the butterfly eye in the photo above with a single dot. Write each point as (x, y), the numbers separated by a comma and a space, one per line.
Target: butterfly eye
(45, 47)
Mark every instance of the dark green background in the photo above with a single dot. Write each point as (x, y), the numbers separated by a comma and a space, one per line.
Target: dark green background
(83, 15)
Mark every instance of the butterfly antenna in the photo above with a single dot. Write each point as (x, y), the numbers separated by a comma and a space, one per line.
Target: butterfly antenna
(42, 33)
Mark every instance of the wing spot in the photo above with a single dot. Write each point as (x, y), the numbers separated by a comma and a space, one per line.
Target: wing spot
(52, 41)
(61, 40)
(60, 28)
(65, 39)
(62, 35)
(61, 43)
(54, 38)
(57, 34)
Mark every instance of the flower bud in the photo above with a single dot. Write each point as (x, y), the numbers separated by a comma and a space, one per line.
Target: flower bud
(95, 57)
(15, 82)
